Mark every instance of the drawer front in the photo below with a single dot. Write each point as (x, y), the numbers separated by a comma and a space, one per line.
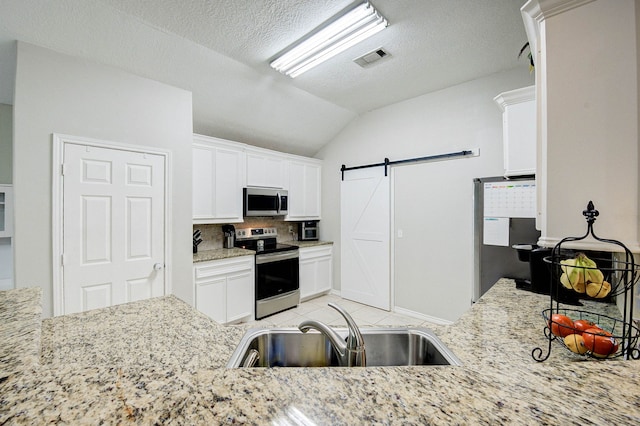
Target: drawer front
(204, 270)
(314, 252)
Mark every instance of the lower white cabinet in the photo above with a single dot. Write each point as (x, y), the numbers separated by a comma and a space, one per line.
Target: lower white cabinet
(316, 270)
(224, 289)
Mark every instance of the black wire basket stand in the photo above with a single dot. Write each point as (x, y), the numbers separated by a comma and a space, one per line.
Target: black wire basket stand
(621, 276)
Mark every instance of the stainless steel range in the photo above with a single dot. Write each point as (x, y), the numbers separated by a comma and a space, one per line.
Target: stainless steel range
(277, 285)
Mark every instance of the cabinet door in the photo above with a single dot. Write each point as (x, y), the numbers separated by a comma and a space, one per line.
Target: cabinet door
(312, 174)
(211, 298)
(324, 274)
(307, 272)
(240, 299)
(519, 121)
(6, 210)
(304, 190)
(228, 166)
(218, 179)
(296, 191)
(316, 270)
(518, 130)
(203, 182)
(264, 170)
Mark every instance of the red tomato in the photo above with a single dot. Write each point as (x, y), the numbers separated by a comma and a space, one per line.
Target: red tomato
(581, 325)
(561, 325)
(600, 342)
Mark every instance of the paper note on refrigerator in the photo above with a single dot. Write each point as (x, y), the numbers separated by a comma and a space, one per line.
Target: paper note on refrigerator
(496, 231)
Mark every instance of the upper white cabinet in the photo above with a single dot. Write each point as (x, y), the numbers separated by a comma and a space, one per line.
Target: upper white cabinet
(218, 179)
(304, 189)
(267, 169)
(519, 130)
(221, 169)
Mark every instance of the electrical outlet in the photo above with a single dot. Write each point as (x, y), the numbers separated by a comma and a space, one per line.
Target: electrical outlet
(291, 229)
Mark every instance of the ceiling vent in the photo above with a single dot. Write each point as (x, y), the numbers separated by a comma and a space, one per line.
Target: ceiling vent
(368, 59)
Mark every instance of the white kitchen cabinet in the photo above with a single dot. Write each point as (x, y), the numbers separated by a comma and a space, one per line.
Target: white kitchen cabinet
(218, 179)
(304, 189)
(6, 237)
(266, 169)
(6, 211)
(316, 270)
(518, 130)
(224, 289)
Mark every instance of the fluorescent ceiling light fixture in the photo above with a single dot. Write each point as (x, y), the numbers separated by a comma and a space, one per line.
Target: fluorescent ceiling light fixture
(358, 24)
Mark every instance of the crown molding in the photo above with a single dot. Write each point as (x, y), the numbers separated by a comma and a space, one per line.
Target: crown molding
(511, 97)
(535, 11)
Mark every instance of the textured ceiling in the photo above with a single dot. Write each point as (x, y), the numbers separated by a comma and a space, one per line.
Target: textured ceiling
(220, 50)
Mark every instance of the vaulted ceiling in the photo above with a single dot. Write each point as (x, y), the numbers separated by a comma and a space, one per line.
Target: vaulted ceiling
(220, 51)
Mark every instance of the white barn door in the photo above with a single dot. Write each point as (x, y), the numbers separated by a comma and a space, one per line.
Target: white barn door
(113, 227)
(365, 227)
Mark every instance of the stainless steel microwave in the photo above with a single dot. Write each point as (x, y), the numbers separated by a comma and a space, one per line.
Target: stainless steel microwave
(265, 202)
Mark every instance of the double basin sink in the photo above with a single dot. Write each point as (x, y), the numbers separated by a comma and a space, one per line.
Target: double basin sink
(289, 347)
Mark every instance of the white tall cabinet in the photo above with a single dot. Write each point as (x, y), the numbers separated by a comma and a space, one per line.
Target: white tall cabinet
(6, 237)
(304, 189)
(218, 179)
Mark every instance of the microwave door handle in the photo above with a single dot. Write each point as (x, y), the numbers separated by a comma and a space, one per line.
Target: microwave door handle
(278, 205)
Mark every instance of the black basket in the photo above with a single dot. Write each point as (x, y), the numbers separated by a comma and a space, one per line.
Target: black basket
(625, 335)
(618, 275)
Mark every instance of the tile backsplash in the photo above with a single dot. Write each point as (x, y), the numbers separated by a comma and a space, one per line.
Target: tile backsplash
(212, 234)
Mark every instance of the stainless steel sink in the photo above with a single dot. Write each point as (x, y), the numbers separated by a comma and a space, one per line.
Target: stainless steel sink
(288, 347)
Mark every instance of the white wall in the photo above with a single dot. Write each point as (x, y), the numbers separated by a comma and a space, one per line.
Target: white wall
(55, 93)
(434, 200)
(589, 137)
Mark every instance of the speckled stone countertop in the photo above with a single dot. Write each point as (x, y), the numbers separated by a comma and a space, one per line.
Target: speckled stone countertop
(223, 253)
(304, 244)
(20, 326)
(160, 361)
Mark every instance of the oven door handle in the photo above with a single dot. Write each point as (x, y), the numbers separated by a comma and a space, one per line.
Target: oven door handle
(275, 257)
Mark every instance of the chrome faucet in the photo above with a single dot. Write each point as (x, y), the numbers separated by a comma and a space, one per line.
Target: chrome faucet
(350, 353)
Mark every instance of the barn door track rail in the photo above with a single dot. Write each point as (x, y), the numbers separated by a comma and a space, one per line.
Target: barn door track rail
(388, 163)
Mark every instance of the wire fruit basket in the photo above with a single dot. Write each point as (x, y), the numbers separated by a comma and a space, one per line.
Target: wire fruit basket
(584, 332)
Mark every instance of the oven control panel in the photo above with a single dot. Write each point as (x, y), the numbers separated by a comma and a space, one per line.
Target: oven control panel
(248, 233)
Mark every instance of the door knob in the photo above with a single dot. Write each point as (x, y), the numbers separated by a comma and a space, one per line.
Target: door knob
(158, 266)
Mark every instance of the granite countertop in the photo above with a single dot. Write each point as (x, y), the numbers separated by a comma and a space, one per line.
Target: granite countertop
(160, 361)
(223, 253)
(304, 244)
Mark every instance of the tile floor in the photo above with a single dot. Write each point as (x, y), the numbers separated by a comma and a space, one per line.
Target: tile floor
(318, 310)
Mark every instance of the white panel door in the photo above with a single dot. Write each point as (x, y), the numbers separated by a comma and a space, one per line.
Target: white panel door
(113, 227)
(365, 226)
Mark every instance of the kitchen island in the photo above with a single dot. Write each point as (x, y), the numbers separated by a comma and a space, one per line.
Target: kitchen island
(161, 361)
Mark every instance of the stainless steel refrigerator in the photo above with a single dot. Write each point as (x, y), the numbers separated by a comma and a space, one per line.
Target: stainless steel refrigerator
(492, 261)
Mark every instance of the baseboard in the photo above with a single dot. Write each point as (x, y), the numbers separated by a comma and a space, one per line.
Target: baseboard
(407, 312)
(335, 292)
